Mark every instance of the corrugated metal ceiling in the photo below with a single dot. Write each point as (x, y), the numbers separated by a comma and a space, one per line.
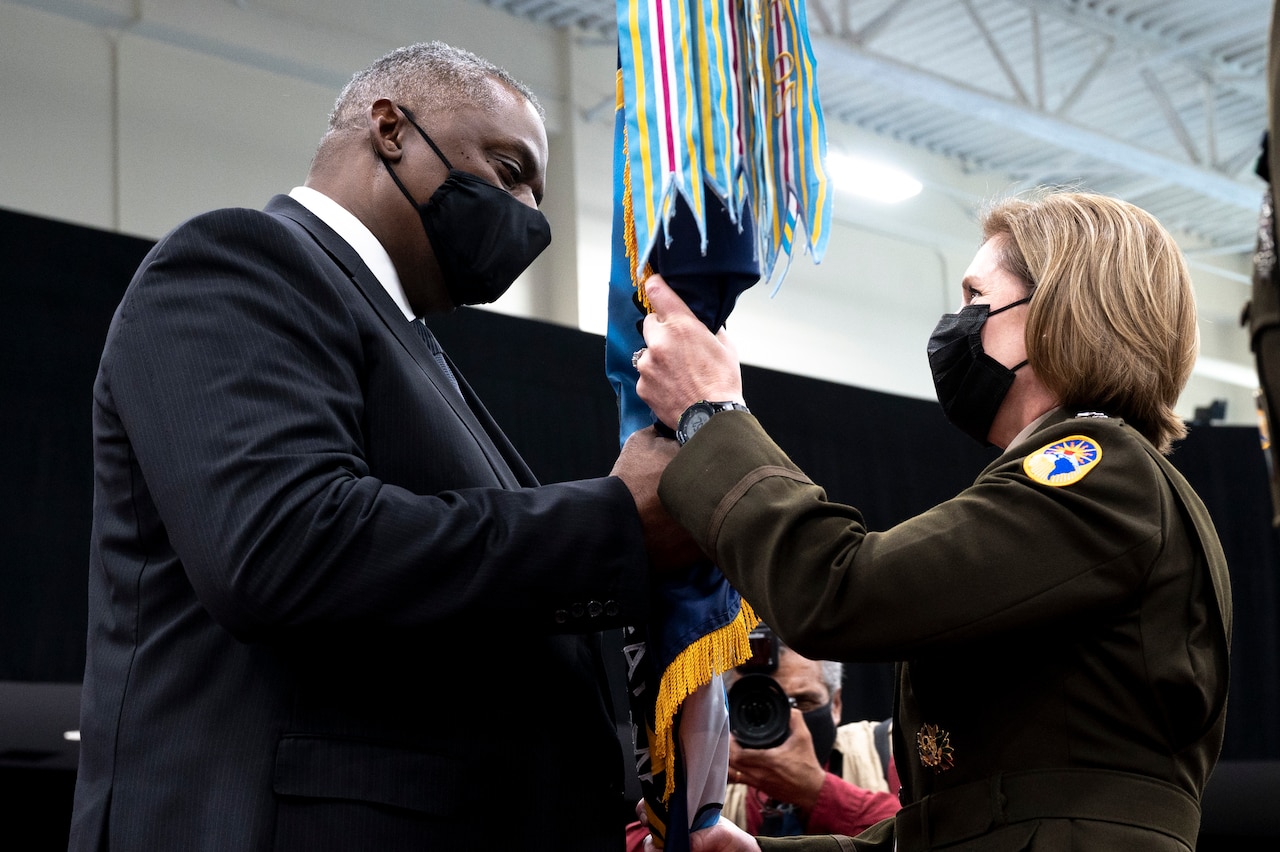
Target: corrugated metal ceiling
(1162, 102)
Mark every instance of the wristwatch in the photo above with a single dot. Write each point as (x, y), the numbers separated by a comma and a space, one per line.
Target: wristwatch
(699, 413)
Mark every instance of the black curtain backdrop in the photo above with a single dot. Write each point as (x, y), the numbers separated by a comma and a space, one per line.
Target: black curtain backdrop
(890, 456)
(59, 285)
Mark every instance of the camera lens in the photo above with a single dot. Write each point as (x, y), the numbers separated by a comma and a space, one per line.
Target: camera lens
(759, 712)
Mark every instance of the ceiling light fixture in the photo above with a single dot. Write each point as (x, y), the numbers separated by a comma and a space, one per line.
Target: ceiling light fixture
(870, 179)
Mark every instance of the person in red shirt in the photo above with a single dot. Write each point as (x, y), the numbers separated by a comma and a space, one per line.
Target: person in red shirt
(822, 779)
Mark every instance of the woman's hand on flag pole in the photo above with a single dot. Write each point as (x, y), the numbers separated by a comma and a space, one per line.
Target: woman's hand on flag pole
(683, 362)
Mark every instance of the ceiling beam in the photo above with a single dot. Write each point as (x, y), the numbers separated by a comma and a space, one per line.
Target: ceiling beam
(839, 58)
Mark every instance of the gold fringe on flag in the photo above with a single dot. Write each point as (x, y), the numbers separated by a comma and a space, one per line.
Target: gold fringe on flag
(694, 667)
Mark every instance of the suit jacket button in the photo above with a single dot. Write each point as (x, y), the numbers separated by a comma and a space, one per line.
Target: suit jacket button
(611, 608)
(594, 608)
(577, 610)
(561, 616)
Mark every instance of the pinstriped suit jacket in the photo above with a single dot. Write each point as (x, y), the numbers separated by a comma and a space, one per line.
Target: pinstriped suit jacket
(327, 601)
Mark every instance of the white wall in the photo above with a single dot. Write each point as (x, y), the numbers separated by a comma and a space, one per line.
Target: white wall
(131, 115)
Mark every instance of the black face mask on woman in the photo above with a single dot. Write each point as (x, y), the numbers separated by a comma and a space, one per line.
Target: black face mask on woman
(970, 383)
(483, 236)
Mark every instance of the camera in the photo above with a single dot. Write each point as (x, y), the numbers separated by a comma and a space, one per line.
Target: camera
(759, 711)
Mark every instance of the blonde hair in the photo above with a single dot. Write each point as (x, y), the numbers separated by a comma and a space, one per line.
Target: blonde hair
(1112, 321)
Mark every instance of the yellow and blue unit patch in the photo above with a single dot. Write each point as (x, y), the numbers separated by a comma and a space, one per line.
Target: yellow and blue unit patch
(1063, 462)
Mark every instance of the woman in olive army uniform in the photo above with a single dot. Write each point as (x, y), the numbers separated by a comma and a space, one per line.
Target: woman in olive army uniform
(1063, 623)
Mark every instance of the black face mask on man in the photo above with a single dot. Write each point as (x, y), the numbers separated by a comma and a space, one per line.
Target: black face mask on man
(970, 383)
(822, 729)
(483, 236)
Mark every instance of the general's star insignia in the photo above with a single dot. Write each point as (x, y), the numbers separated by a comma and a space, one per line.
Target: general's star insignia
(1063, 462)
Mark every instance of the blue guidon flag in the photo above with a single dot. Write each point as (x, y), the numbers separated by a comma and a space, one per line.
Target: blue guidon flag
(719, 164)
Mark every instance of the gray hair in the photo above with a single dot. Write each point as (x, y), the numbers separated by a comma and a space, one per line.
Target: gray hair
(832, 671)
(426, 77)
(832, 676)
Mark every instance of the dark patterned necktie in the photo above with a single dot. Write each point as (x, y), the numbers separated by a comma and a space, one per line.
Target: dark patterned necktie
(436, 352)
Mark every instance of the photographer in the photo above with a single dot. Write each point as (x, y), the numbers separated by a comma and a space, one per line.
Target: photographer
(812, 778)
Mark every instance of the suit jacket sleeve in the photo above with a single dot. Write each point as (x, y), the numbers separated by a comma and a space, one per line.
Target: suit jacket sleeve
(237, 368)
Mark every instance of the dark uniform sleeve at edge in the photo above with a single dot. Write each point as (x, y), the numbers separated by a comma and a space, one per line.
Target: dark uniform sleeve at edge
(819, 843)
(812, 843)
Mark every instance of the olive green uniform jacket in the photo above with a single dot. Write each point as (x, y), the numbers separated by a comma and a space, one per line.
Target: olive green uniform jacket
(1063, 648)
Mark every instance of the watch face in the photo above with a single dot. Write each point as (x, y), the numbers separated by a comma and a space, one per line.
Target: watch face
(699, 413)
(696, 418)
(693, 419)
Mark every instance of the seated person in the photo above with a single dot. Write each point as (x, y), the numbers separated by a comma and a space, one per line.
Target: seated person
(822, 779)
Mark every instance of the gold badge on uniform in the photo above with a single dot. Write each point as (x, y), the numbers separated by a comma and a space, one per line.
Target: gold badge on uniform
(934, 747)
(1063, 462)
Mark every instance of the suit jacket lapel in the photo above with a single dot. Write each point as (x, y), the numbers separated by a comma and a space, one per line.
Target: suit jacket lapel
(502, 445)
(488, 436)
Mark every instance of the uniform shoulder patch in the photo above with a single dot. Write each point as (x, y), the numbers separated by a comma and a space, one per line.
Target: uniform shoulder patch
(1063, 462)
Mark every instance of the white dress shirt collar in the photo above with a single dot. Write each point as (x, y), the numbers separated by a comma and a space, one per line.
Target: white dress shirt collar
(359, 237)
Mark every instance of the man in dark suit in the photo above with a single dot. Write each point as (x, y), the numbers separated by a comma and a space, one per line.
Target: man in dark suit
(312, 547)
